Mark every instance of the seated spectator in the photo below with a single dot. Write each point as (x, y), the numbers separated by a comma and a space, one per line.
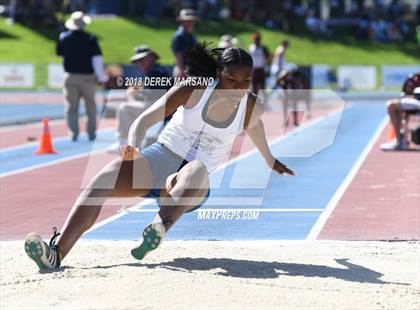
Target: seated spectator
(396, 108)
(378, 30)
(316, 25)
(361, 28)
(395, 9)
(139, 98)
(403, 27)
(394, 34)
(312, 22)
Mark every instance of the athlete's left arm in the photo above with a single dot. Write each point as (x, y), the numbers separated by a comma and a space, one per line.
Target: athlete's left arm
(255, 129)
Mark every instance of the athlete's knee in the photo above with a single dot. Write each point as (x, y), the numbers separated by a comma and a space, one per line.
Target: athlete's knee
(199, 175)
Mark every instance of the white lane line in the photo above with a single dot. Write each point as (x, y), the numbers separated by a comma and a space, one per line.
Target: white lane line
(139, 206)
(52, 162)
(123, 212)
(58, 139)
(316, 229)
(5, 129)
(212, 201)
(30, 144)
(235, 210)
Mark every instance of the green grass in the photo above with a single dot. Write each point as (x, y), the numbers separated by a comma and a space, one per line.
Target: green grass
(119, 35)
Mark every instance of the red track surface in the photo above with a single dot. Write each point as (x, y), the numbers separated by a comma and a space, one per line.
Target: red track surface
(34, 97)
(18, 135)
(38, 199)
(382, 202)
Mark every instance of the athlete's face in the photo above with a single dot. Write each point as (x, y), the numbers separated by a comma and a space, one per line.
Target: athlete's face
(235, 77)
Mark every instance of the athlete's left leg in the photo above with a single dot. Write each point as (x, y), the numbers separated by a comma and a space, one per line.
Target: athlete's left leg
(184, 190)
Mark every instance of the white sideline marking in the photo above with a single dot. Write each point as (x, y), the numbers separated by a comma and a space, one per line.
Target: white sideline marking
(212, 201)
(316, 229)
(34, 125)
(120, 214)
(236, 210)
(137, 207)
(68, 158)
(52, 162)
(35, 143)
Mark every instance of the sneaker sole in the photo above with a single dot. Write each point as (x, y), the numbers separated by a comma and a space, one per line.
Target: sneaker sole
(35, 249)
(151, 241)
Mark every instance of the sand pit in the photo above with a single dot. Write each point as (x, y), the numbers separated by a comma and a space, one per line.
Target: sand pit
(215, 275)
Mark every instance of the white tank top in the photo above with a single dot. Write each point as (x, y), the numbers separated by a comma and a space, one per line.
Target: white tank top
(188, 136)
(258, 56)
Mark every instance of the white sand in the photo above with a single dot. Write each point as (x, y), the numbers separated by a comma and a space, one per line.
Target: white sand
(215, 275)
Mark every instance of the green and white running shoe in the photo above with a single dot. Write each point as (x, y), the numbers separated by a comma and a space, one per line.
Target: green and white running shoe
(153, 236)
(46, 256)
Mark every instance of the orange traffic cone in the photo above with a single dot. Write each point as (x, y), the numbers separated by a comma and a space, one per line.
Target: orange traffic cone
(45, 143)
(391, 133)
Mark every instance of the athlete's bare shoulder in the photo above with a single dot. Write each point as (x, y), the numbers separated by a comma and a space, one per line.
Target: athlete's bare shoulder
(254, 104)
(254, 109)
(179, 95)
(187, 95)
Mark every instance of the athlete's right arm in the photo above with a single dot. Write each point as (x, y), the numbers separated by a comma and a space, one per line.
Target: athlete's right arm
(163, 107)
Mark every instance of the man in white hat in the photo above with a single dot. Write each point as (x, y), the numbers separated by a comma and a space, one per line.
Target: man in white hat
(183, 39)
(82, 60)
(227, 41)
(140, 98)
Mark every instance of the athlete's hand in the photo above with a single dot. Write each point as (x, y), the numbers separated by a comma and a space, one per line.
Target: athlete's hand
(282, 168)
(127, 152)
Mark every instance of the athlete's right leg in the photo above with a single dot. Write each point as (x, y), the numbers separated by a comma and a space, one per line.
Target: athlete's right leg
(185, 190)
(115, 180)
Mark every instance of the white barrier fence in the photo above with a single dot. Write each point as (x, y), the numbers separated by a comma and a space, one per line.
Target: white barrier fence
(55, 75)
(16, 75)
(348, 76)
(320, 76)
(356, 77)
(395, 75)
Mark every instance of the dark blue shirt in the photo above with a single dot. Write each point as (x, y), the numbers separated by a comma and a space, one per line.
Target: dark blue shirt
(77, 49)
(182, 40)
(156, 89)
(159, 71)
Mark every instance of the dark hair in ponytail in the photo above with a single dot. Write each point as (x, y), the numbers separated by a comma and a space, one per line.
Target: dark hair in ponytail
(202, 61)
